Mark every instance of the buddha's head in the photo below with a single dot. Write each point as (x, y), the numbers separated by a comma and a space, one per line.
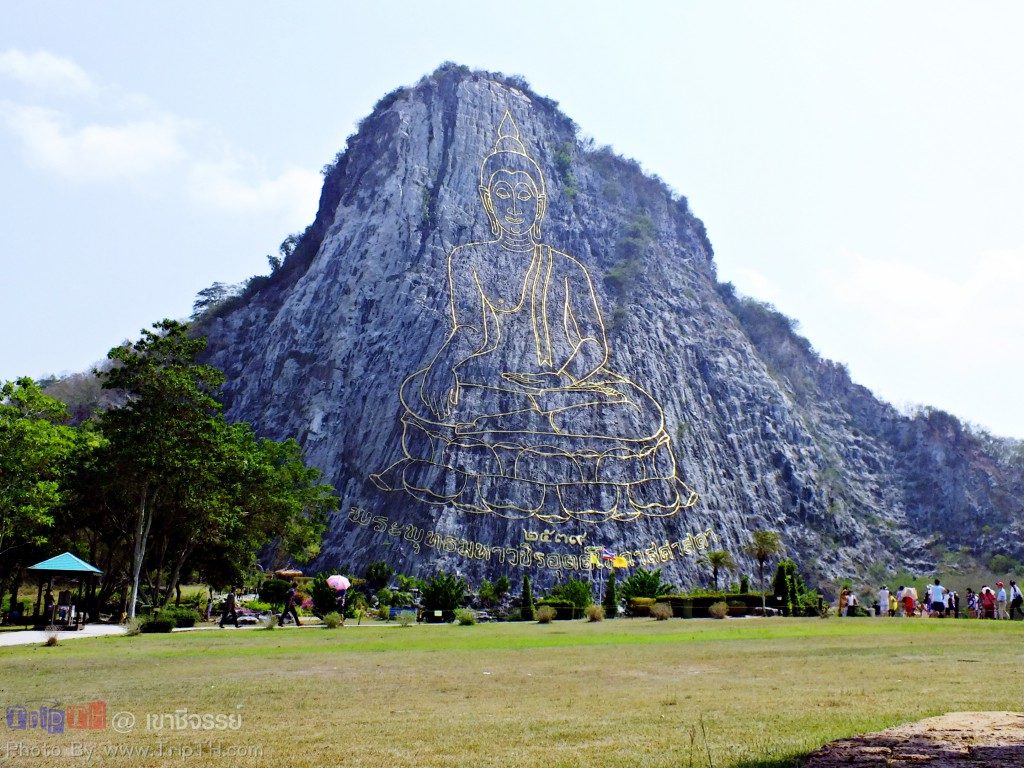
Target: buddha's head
(512, 185)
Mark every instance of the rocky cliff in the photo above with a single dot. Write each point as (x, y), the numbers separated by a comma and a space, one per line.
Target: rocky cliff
(767, 434)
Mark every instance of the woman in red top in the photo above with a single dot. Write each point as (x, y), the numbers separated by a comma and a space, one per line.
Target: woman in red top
(988, 603)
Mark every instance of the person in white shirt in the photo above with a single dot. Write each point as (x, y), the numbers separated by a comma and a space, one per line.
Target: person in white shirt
(937, 599)
(1016, 600)
(883, 601)
(1001, 602)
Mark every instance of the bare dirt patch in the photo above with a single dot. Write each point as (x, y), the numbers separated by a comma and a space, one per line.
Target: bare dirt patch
(954, 740)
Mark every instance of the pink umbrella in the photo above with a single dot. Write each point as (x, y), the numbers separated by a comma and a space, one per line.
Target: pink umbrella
(338, 582)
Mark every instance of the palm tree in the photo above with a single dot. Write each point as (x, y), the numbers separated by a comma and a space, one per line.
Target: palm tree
(762, 547)
(719, 560)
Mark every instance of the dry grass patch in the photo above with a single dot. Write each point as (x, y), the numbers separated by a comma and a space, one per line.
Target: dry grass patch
(621, 693)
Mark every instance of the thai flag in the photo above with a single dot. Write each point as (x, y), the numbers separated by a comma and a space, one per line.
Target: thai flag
(607, 554)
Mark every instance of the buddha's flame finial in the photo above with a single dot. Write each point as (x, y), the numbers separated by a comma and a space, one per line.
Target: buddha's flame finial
(508, 128)
(508, 136)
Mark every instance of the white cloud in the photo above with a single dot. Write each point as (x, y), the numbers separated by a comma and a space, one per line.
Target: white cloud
(124, 137)
(95, 151)
(977, 308)
(293, 193)
(43, 71)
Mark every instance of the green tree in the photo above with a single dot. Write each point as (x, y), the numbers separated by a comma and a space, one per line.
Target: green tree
(502, 586)
(719, 560)
(378, 575)
(444, 592)
(789, 588)
(486, 592)
(528, 612)
(36, 452)
(643, 583)
(611, 597)
(763, 546)
(200, 490)
(409, 583)
(158, 440)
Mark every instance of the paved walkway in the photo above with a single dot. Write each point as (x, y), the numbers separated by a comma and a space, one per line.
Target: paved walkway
(33, 637)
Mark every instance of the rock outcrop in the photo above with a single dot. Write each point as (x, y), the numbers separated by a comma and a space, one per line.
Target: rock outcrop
(769, 435)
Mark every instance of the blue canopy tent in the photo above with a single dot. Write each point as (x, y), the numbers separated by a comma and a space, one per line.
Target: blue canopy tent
(63, 611)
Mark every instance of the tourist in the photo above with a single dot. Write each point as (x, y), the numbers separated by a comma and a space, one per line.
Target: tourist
(1001, 602)
(1016, 600)
(893, 605)
(852, 603)
(883, 601)
(936, 599)
(48, 607)
(340, 603)
(844, 597)
(289, 606)
(972, 603)
(909, 601)
(229, 609)
(988, 602)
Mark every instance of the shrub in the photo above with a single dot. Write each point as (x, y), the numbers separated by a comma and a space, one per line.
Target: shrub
(268, 622)
(332, 620)
(465, 617)
(641, 606)
(643, 583)
(51, 637)
(528, 611)
(180, 615)
(661, 611)
(157, 624)
(718, 610)
(546, 614)
(133, 627)
(356, 603)
(596, 612)
(514, 615)
(576, 592)
(325, 598)
(406, 618)
(395, 598)
(384, 612)
(564, 609)
(259, 606)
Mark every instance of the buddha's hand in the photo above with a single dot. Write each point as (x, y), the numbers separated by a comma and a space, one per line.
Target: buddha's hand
(545, 380)
(439, 391)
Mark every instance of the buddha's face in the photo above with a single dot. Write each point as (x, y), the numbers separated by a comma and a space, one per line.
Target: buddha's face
(514, 201)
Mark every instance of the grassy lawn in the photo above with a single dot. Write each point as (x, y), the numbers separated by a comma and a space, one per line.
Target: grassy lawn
(618, 693)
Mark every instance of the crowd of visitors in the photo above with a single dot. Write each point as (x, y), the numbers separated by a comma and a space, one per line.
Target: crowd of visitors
(940, 602)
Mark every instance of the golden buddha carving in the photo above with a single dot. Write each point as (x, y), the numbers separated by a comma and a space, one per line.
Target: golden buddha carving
(518, 413)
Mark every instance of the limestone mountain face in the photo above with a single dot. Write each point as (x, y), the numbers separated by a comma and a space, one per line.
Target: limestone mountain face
(699, 389)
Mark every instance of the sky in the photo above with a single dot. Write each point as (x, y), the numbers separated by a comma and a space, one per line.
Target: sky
(860, 166)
